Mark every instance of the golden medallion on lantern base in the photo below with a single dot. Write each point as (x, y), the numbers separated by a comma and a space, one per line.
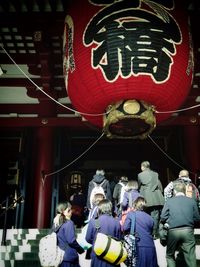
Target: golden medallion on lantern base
(129, 119)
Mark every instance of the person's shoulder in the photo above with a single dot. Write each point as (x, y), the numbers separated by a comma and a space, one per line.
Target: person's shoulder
(148, 217)
(155, 173)
(192, 200)
(179, 199)
(105, 181)
(91, 181)
(68, 223)
(117, 185)
(170, 184)
(140, 174)
(144, 214)
(169, 200)
(126, 193)
(132, 214)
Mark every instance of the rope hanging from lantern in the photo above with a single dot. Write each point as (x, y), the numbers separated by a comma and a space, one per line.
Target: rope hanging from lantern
(178, 110)
(69, 164)
(171, 159)
(44, 176)
(165, 152)
(73, 110)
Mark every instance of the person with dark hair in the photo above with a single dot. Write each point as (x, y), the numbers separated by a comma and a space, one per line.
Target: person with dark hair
(118, 194)
(108, 225)
(130, 195)
(66, 235)
(145, 247)
(78, 201)
(180, 213)
(94, 211)
(98, 182)
(151, 189)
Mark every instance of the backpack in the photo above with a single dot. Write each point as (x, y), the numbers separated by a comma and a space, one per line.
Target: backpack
(49, 252)
(191, 191)
(97, 189)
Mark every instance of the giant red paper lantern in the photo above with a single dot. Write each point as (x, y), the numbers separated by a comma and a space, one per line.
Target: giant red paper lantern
(127, 59)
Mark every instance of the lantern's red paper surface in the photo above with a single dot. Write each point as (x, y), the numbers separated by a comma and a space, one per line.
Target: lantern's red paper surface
(127, 50)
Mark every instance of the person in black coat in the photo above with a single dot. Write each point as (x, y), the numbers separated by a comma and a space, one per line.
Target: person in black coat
(180, 213)
(151, 189)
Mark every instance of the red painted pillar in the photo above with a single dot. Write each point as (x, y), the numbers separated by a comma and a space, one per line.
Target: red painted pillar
(42, 185)
(192, 149)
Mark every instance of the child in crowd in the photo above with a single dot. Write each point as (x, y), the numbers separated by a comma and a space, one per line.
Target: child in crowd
(66, 235)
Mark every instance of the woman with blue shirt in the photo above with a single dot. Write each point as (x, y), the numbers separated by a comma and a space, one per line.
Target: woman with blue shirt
(146, 251)
(107, 225)
(66, 235)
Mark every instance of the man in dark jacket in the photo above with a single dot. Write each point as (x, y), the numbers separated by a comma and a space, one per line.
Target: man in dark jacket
(180, 213)
(151, 189)
(99, 179)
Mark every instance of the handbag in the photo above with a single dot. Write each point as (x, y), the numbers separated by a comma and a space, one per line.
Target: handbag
(50, 254)
(110, 249)
(130, 243)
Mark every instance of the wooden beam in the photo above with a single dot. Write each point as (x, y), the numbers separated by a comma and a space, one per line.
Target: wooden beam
(78, 123)
(42, 122)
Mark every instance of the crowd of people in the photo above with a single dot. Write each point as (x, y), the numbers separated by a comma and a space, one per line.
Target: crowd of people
(176, 205)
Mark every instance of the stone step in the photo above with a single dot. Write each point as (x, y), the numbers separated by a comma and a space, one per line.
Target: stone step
(16, 248)
(22, 246)
(19, 255)
(19, 263)
(27, 248)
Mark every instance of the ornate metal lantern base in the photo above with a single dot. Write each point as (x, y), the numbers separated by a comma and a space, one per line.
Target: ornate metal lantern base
(129, 119)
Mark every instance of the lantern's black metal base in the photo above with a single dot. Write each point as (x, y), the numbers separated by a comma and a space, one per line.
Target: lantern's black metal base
(129, 119)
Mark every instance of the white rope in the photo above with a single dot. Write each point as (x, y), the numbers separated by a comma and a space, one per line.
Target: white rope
(167, 154)
(73, 110)
(52, 173)
(178, 110)
(83, 113)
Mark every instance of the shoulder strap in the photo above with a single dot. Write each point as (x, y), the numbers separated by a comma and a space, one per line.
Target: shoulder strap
(91, 214)
(57, 228)
(102, 182)
(95, 184)
(133, 219)
(130, 204)
(97, 224)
